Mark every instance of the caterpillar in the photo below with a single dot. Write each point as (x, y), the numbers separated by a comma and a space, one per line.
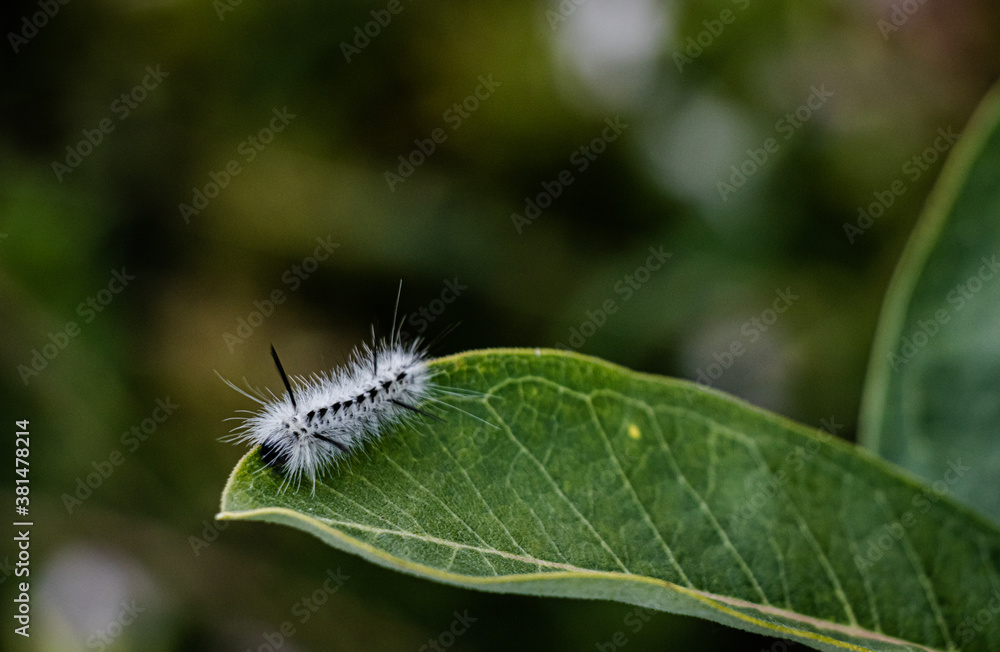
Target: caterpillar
(324, 418)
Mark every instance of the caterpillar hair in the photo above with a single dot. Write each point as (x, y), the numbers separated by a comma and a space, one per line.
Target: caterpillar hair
(322, 419)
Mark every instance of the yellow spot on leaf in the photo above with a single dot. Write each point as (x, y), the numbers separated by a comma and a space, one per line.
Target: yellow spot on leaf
(634, 432)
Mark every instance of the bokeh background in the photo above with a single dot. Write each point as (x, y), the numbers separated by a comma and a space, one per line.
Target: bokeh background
(701, 86)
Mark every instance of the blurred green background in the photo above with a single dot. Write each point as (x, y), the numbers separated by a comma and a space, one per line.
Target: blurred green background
(117, 113)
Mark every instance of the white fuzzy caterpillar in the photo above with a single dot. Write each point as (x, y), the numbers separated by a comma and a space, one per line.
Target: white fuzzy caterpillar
(326, 417)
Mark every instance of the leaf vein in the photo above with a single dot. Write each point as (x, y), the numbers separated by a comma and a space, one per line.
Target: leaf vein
(548, 476)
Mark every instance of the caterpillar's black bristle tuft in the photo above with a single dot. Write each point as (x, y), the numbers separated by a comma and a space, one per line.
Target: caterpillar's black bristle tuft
(284, 378)
(273, 457)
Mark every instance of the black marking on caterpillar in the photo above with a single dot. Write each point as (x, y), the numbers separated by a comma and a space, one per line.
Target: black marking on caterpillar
(325, 418)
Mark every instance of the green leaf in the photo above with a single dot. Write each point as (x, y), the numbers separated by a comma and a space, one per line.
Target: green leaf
(931, 398)
(599, 482)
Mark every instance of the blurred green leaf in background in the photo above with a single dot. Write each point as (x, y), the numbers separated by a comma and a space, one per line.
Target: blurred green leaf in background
(932, 397)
